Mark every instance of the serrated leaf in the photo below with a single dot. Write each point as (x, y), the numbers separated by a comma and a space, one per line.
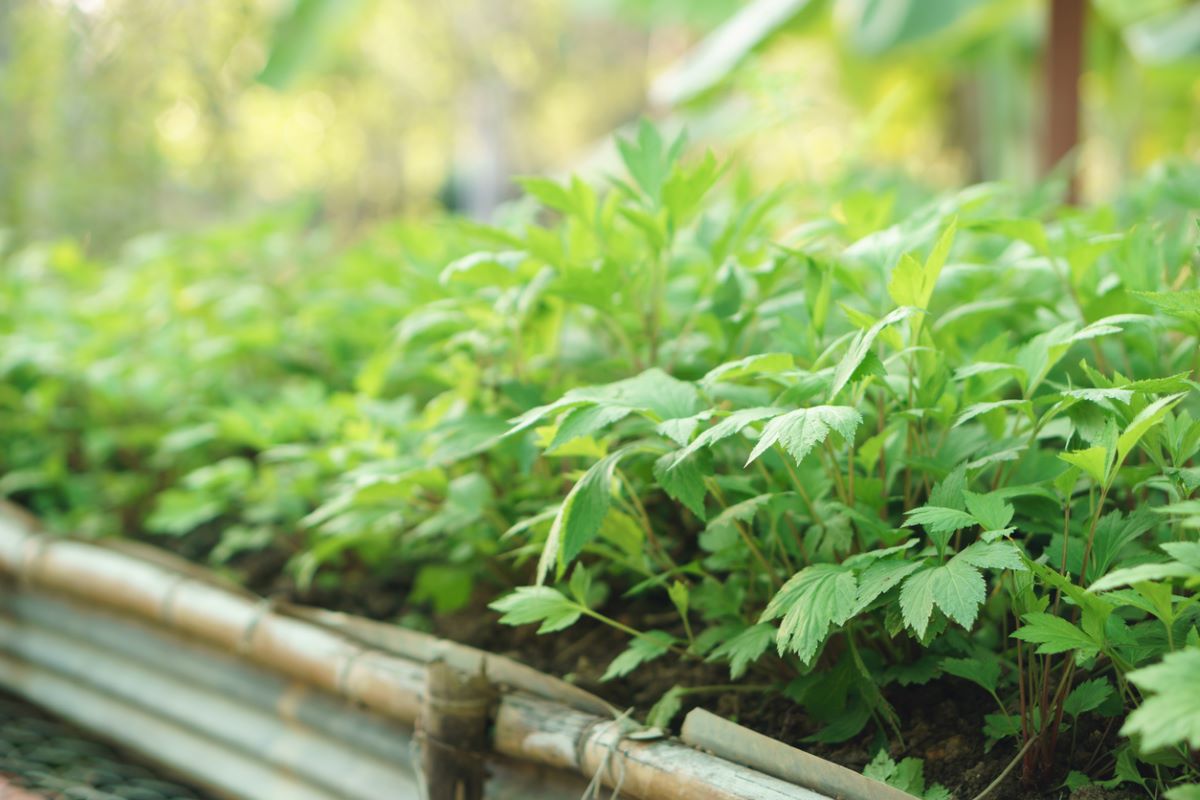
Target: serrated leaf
(959, 590)
(801, 430)
(912, 283)
(937, 519)
(646, 647)
(1100, 395)
(680, 430)
(991, 510)
(585, 421)
(1143, 572)
(993, 555)
(722, 528)
(683, 480)
(528, 604)
(1087, 696)
(1183, 304)
(973, 411)
(732, 425)
(982, 671)
(1170, 714)
(745, 648)
(759, 364)
(861, 345)
(1093, 461)
(811, 601)
(916, 601)
(1055, 635)
(880, 577)
(579, 517)
(653, 393)
(1149, 416)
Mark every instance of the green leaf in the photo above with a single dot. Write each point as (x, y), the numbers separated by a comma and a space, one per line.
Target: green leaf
(760, 364)
(1143, 572)
(579, 517)
(448, 587)
(982, 671)
(991, 510)
(973, 411)
(956, 587)
(1093, 461)
(993, 555)
(1184, 552)
(916, 601)
(861, 345)
(1183, 304)
(911, 283)
(880, 577)
(667, 707)
(732, 425)
(680, 597)
(745, 648)
(178, 511)
(648, 160)
(727, 294)
(722, 528)
(801, 430)
(810, 602)
(959, 590)
(1087, 696)
(683, 480)
(586, 421)
(1055, 635)
(528, 604)
(1150, 416)
(1170, 714)
(653, 393)
(646, 647)
(305, 37)
(937, 519)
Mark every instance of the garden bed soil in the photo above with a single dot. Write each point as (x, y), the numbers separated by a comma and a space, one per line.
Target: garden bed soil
(940, 722)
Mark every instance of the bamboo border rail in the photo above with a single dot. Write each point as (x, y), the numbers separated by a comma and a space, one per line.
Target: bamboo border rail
(538, 719)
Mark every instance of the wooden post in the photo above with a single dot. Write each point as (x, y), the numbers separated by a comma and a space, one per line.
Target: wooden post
(454, 723)
(1063, 66)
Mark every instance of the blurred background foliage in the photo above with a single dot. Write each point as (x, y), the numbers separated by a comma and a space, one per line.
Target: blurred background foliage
(121, 116)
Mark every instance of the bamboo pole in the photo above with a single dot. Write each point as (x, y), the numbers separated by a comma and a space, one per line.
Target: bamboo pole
(707, 731)
(551, 731)
(453, 732)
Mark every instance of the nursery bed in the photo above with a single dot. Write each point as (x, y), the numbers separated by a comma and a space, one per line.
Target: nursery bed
(257, 700)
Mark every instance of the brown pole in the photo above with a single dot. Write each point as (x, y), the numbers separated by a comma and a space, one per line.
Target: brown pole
(1063, 66)
(454, 733)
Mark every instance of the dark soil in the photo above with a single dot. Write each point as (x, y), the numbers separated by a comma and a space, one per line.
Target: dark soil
(941, 722)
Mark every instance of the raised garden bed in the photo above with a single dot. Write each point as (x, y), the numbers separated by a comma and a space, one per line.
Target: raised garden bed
(909, 482)
(259, 701)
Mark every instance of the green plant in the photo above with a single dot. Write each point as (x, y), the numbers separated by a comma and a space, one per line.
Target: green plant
(949, 439)
(886, 492)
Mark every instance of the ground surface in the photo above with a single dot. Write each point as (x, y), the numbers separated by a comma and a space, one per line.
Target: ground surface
(941, 722)
(44, 757)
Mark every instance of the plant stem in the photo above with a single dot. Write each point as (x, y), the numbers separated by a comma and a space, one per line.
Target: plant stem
(812, 509)
(1004, 772)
